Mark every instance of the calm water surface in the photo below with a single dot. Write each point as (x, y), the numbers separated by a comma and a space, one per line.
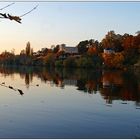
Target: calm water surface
(70, 103)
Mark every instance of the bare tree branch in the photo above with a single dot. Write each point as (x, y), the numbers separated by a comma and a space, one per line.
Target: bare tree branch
(15, 18)
(7, 6)
(29, 11)
(8, 16)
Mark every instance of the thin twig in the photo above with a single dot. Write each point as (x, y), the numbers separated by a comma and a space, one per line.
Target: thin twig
(7, 6)
(16, 18)
(29, 11)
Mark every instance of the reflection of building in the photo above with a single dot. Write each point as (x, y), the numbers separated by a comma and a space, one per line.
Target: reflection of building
(70, 82)
(65, 82)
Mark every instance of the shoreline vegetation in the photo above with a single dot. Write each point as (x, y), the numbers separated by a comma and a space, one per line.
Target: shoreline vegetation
(115, 51)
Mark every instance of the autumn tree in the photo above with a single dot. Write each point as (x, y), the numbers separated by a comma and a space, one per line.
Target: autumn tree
(49, 60)
(127, 42)
(92, 50)
(93, 47)
(113, 60)
(22, 52)
(56, 48)
(137, 42)
(113, 41)
(131, 45)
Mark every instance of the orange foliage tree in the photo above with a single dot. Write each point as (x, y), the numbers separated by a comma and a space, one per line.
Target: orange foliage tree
(113, 41)
(92, 50)
(113, 60)
(131, 45)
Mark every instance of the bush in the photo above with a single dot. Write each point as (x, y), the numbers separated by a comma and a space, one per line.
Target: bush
(49, 60)
(59, 63)
(70, 62)
(85, 62)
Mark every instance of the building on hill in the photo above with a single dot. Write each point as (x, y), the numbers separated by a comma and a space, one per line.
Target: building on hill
(109, 50)
(66, 51)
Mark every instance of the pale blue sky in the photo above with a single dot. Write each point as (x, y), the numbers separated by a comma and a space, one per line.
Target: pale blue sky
(66, 22)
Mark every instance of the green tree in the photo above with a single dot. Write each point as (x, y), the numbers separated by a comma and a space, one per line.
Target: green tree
(85, 62)
(70, 62)
(59, 63)
(83, 46)
(56, 48)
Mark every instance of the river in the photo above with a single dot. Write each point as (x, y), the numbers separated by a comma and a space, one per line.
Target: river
(68, 103)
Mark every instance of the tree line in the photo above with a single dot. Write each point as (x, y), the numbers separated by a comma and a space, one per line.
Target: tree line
(114, 51)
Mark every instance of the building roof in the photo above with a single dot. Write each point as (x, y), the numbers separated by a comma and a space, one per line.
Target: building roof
(68, 49)
(109, 50)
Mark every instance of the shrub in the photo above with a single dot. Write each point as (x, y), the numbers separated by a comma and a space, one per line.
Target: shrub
(85, 62)
(59, 63)
(70, 62)
(49, 60)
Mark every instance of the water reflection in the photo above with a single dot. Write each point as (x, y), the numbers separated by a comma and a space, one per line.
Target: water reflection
(118, 85)
(112, 85)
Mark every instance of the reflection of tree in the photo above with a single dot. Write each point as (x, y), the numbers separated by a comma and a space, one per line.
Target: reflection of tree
(111, 93)
(131, 88)
(92, 86)
(27, 80)
(120, 86)
(112, 85)
(81, 85)
(112, 77)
